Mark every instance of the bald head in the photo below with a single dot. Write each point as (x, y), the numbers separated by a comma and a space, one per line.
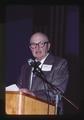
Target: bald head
(38, 36)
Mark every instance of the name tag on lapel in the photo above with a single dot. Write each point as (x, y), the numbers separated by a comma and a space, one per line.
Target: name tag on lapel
(46, 67)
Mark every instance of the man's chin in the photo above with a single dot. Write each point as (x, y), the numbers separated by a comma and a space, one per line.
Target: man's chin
(39, 58)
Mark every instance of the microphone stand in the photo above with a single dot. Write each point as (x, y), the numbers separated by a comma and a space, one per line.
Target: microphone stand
(40, 74)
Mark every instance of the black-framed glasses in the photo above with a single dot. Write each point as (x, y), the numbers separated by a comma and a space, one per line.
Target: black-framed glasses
(40, 44)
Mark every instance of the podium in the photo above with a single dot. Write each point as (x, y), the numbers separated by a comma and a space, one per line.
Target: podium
(19, 103)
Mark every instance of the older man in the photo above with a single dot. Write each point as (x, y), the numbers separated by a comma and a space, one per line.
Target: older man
(54, 68)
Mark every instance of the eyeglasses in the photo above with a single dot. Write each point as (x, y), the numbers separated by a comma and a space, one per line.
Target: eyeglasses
(40, 44)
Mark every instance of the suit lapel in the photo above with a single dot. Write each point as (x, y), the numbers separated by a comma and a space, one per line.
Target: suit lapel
(48, 61)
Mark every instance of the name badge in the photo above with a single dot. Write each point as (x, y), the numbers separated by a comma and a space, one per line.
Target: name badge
(46, 67)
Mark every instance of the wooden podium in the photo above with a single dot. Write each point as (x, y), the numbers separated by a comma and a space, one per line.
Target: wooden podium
(19, 103)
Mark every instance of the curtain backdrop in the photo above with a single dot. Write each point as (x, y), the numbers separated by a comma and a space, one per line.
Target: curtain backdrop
(51, 20)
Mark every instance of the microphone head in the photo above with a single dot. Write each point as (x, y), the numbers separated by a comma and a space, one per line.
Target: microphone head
(30, 61)
(33, 63)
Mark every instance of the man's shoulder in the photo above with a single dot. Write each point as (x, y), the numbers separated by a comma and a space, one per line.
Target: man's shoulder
(57, 58)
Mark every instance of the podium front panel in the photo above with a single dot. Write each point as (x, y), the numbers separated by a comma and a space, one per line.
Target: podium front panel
(38, 107)
(17, 103)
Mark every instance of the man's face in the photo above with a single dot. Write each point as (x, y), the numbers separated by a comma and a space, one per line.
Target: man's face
(39, 46)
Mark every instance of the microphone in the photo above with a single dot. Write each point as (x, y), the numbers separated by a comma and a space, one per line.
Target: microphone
(34, 64)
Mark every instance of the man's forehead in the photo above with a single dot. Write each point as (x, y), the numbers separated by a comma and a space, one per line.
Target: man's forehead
(38, 37)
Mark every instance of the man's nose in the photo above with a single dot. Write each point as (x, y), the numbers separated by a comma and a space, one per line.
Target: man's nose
(37, 46)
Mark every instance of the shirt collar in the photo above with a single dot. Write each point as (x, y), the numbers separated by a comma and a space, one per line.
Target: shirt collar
(42, 61)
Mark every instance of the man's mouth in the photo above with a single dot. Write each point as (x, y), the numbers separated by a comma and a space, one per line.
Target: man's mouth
(38, 52)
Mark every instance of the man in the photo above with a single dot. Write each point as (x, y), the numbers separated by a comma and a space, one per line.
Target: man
(55, 70)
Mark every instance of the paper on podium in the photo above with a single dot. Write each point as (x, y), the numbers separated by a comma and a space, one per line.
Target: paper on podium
(12, 87)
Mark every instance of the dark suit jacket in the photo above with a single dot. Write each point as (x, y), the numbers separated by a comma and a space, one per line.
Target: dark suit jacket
(58, 76)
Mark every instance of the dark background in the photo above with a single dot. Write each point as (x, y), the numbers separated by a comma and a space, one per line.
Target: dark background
(61, 23)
